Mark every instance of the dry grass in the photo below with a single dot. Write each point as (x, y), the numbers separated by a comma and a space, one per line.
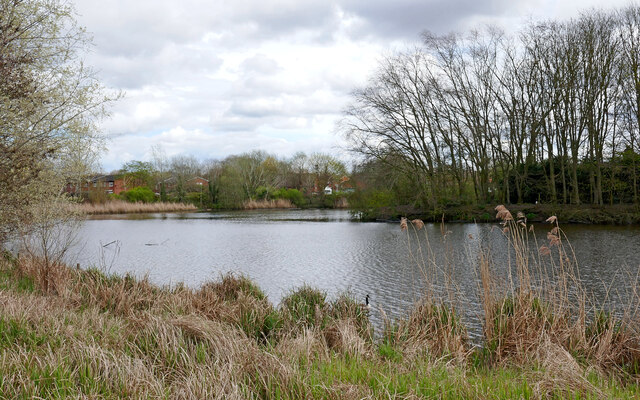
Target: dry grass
(88, 334)
(267, 204)
(123, 207)
(538, 315)
(545, 299)
(83, 334)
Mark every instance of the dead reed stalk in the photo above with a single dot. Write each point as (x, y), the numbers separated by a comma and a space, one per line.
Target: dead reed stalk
(267, 204)
(123, 207)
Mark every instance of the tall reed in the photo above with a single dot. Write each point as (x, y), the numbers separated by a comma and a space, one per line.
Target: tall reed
(535, 306)
(267, 204)
(123, 207)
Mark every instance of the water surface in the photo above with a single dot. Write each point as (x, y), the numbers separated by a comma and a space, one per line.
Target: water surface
(282, 250)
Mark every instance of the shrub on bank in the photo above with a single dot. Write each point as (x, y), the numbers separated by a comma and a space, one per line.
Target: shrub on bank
(293, 195)
(140, 194)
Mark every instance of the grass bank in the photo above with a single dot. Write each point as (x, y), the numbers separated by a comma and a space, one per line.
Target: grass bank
(620, 214)
(123, 207)
(67, 333)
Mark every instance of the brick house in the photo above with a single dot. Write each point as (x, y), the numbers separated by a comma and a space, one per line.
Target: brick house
(109, 184)
(197, 182)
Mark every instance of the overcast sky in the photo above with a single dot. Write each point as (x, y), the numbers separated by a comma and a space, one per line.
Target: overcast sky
(214, 78)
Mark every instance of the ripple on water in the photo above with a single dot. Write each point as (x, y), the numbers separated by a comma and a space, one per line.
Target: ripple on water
(281, 250)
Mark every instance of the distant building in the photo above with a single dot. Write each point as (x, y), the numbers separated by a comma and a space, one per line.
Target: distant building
(198, 181)
(109, 184)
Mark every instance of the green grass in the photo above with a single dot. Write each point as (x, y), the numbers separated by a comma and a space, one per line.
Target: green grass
(14, 332)
(8, 281)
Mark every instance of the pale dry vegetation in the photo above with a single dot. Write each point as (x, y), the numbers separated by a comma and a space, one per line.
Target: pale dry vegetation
(123, 207)
(267, 204)
(82, 333)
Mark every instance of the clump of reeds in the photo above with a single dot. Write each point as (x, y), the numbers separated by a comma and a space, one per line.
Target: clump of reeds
(433, 325)
(238, 301)
(305, 307)
(431, 328)
(342, 325)
(123, 207)
(546, 299)
(538, 314)
(267, 204)
(528, 303)
(50, 277)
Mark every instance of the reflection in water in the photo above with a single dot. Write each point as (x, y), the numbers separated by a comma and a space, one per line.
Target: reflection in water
(282, 250)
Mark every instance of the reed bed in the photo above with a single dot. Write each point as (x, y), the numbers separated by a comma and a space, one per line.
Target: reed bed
(123, 207)
(74, 333)
(267, 204)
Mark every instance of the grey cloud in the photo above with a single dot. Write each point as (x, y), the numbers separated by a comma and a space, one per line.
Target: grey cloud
(171, 59)
(169, 65)
(253, 109)
(144, 27)
(407, 18)
(260, 64)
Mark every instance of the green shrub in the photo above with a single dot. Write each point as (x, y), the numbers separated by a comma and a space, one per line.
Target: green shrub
(97, 197)
(293, 195)
(140, 194)
(197, 198)
(369, 203)
(114, 196)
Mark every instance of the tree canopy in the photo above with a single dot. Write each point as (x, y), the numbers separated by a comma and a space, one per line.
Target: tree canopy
(49, 104)
(487, 117)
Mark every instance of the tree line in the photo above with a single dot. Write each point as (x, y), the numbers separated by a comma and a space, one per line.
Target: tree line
(255, 175)
(548, 114)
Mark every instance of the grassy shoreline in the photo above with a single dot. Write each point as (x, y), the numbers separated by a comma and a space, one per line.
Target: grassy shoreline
(627, 214)
(621, 214)
(66, 332)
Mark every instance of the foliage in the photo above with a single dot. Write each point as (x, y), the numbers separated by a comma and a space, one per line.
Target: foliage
(49, 103)
(140, 194)
(293, 195)
(98, 197)
(138, 173)
(198, 199)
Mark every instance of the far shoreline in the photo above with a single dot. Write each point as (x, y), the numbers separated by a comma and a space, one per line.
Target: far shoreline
(584, 214)
(619, 214)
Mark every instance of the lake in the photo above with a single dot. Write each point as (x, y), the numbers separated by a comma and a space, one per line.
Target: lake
(285, 249)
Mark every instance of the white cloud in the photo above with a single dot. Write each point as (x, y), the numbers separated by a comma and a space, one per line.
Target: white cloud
(213, 78)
